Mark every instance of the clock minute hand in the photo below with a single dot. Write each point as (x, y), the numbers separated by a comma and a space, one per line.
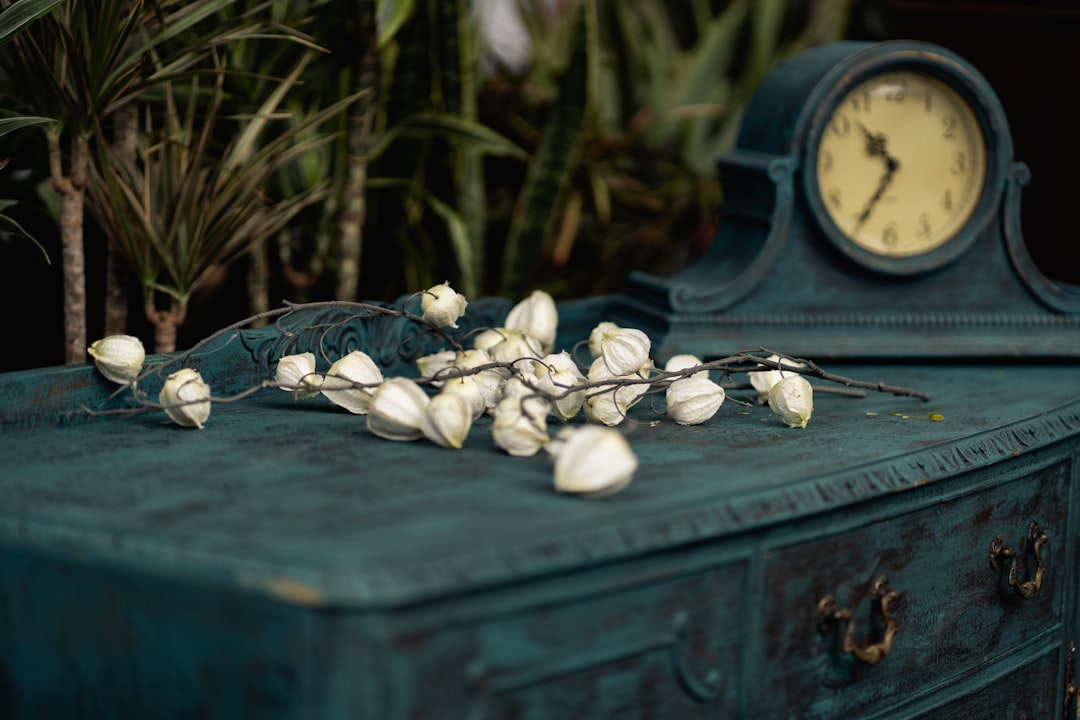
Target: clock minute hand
(891, 166)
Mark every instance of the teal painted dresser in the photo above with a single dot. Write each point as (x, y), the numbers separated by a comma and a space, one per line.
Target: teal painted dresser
(284, 563)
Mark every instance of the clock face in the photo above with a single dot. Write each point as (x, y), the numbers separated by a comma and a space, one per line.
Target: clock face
(901, 164)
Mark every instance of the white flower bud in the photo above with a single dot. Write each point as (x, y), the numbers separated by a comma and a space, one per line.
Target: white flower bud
(520, 426)
(518, 348)
(625, 350)
(489, 382)
(431, 365)
(592, 461)
(470, 390)
(468, 359)
(447, 420)
(556, 375)
(442, 306)
(678, 363)
(597, 335)
(537, 317)
(792, 398)
(609, 406)
(340, 384)
(558, 361)
(185, 397)
(397, 410)
(516, 387)
(118, 357)
(603, 409)
(296, 373)
(485, 339)
(763, 380)
(693, 400)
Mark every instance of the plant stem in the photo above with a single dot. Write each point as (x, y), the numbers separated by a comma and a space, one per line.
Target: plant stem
(166, 323)
(354, 201)
(71, 191)
(126, 142)
(258, 278)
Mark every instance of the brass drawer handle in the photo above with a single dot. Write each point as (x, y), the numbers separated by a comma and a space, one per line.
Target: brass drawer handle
(829, 615)
(998, 552)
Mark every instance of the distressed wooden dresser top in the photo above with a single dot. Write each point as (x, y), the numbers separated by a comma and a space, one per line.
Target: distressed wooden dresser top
(300, 501)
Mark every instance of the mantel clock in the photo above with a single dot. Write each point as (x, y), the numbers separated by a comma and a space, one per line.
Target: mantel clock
(871, 209)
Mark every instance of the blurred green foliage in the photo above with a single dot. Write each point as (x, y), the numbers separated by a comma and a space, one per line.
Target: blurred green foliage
(622, 108)
(416, 153)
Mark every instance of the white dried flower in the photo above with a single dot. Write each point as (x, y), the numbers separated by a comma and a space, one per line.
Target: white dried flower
(397, 410)
(473, 358)
(118, 357)
(489, 382)
(693, 400)
(555, 362)
(556, 376)
(792, 398)
(296, 373)
(520, 426)
(447, 420)
(763, 380)
(340, 384)
(608, 406)
(470, 390)
(602, 409)
(485, 339)
(185, 397)
(516, 387)
(592, 461)
(537, 317)
(678, 363)
(442, 306)
(596, 335)
(432, 365)
(518, 348)
(625, 350)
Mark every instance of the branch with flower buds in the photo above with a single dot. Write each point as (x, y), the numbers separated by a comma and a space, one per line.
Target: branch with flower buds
(510, 373)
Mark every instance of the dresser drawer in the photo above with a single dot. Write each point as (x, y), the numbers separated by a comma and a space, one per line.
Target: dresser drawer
(953, 612)
(640, 642)
(1028, 692)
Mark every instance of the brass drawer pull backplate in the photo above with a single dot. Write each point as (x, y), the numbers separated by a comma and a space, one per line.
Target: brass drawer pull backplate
(998, 552)
(883, 596)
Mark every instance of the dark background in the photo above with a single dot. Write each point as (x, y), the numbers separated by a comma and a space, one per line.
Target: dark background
(1029, 51)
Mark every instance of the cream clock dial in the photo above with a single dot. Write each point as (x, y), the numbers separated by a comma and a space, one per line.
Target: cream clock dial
(901, 164)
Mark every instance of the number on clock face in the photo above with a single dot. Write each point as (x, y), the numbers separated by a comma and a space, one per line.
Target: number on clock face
(901, 164)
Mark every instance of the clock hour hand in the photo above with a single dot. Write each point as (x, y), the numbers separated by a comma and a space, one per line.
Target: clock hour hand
(875, 142)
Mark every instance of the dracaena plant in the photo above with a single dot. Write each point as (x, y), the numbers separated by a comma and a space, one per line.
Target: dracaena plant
(14, 18)
(323, 243)
(194, 198)
(81, 63)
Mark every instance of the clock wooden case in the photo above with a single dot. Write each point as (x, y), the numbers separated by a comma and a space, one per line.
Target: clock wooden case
(871, 209)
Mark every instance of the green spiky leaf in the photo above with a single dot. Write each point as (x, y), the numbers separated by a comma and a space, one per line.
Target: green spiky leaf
(390, 15)
(20, 14)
